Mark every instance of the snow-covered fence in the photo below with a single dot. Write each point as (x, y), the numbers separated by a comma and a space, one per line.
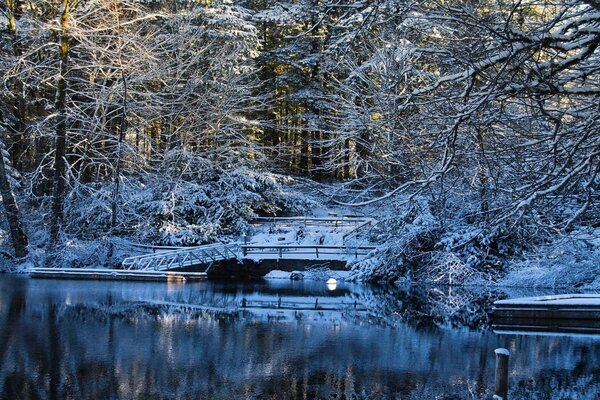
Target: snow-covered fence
(291, 251)
(359, 227)
(185, 257)
(308, 221)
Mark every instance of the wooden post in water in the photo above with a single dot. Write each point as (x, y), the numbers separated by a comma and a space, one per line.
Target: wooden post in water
(501, 386)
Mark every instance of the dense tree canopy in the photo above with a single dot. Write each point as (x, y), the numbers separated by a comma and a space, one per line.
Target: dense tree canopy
(496, 100)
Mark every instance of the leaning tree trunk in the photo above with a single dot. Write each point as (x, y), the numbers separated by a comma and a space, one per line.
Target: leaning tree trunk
(17, 234)
(58, 192)
(122, 125)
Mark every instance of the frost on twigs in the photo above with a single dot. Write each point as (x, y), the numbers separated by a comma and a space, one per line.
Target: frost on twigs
(421, 244)
(194, 200)
(449, 269)
(566, 261)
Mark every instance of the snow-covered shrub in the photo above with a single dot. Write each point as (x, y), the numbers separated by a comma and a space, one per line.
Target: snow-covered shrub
(423, 244)
(88, 210)
(192, 201)
(446, 268)
(567, 261)
(76, 253)
(409, 235)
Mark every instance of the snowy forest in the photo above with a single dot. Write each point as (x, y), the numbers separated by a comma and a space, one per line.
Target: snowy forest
(469, 129)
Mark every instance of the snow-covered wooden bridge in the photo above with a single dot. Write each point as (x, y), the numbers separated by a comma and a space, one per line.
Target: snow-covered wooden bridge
(207, 255)
(296, 239)
(165, 260)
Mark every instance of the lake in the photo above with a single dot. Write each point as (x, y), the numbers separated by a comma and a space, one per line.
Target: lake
(274, 339)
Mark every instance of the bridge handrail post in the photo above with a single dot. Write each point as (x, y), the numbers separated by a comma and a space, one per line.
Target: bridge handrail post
(317, 251)
(280, 252)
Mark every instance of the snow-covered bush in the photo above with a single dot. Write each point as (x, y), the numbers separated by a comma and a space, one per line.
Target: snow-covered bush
(192, 201)
(567, 261)
(423, 243)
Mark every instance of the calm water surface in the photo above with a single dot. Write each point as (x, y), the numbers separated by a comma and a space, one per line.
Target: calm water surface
(105, 340)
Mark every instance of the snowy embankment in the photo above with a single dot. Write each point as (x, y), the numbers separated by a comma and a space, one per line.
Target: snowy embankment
(571, 261)
(418, 245)
(415, 242)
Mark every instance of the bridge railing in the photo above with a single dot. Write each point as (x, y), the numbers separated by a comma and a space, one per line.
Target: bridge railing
(358, 228)
(182, 257)
(310, 221)
(148, 248)
(289, 251)
(176, 250)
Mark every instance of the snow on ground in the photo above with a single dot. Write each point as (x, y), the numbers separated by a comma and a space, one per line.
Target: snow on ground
(568, 262)
(300, 233)
(555, 300)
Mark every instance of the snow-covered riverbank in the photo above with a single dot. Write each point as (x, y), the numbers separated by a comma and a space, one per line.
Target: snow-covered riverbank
(413, 245)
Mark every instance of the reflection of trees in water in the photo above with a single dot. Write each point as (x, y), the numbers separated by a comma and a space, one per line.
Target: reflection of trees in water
(151, 351)
(109, 348)
(427, 306)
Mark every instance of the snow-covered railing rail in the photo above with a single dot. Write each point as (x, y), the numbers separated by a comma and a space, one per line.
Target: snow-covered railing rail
(357, 228)
(291, 251)
(149, 248)
(308, 221)
(184, 257)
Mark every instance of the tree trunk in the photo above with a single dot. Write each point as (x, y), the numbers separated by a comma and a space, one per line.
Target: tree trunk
(17, 234)
(122, 128)
(58, 192)
(483, 176)
(15, 142)
(117, 180)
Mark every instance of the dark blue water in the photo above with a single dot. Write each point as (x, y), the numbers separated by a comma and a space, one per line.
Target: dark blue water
(103, 340)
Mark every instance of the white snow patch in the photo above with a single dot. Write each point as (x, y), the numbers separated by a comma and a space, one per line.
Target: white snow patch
(318, 274)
